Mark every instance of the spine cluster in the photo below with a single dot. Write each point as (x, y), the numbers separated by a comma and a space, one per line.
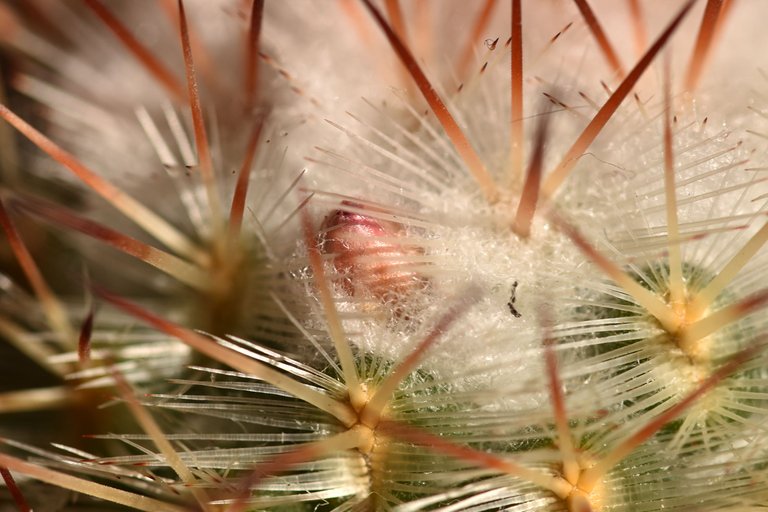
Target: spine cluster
(475, 256)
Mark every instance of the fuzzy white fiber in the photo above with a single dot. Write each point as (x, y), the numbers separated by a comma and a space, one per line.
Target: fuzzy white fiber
(380, 334)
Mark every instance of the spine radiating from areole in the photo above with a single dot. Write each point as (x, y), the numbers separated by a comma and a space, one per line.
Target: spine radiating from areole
(383, 255)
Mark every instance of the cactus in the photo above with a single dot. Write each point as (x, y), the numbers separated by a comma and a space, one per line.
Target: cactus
(465, 256)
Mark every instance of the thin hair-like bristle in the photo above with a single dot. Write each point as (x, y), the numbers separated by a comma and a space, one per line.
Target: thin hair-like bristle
(131, 208)
(457, 136)
(51, 305)
(555, 179)
(280, 463)
(105, 492)
(335, 328)
(599, 470)
(676, 284)
(202, 143)
(646, 298)
(707, 296)
(185, 272)
(364, 301)
(151, 63)
(719, 319)
(227, 356)
(602, 39)
(375, 406)
(482, 459)
(565, 440)
(150, 426)
(464, 61)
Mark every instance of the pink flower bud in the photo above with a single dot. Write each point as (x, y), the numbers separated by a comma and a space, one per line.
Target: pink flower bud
(368, 257)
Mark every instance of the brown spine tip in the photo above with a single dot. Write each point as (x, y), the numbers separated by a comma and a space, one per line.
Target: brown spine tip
(701, 50)
(459, 140)
(84, 340)
(602, 39)
(252, 54)
(241, 188)
(601, 118)
(516, 92)
(151, 63)
(9, 23)
(13, 488)
(531, 188)
(201, 137)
